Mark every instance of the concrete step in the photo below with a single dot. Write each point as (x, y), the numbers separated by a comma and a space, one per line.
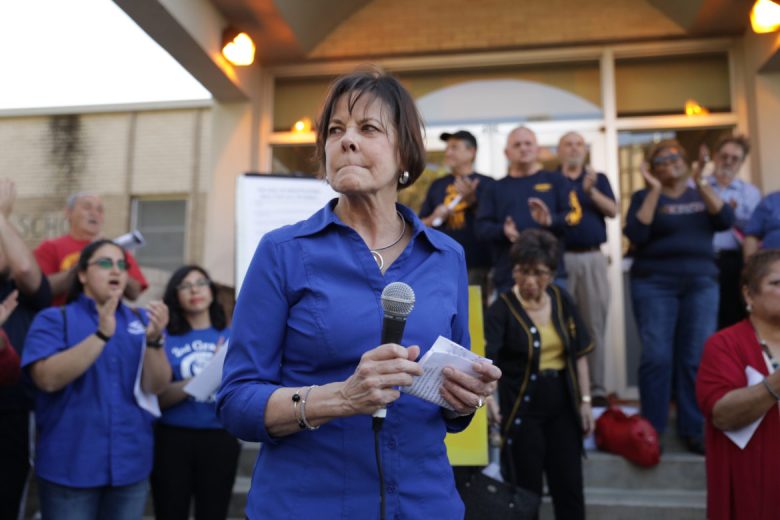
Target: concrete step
(681, 471)
(637, 504)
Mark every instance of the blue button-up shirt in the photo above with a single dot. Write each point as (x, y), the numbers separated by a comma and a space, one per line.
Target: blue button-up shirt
(743, 197)
(765, 222)
(92, 432)
(308, 309)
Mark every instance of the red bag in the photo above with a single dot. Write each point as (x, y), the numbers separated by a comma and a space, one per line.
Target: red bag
(632, 437)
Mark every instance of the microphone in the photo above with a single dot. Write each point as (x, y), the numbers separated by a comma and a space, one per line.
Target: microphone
(397, 303)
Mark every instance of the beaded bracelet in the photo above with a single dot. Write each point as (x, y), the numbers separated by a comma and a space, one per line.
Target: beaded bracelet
(296, 398)
(303, 411)
(769, 389)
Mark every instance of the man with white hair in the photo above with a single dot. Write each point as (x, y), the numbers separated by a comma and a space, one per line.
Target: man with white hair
(592, 201)
(57, 257)
(528, 197)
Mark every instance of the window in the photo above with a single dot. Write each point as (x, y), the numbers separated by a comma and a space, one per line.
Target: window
(163, 223)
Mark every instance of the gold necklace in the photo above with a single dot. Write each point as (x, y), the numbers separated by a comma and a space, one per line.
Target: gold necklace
(375, 252)
(525, 304)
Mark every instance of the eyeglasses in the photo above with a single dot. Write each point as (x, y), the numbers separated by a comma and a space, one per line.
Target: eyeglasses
(188, 286)
(108, 263)
(727, 157)
(531, 272)
(665, 159)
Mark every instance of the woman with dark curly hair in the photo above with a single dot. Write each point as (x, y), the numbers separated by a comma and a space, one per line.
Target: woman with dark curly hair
(536, 337)
(195, 458)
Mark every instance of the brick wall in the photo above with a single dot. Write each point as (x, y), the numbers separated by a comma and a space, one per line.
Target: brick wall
(120, 155)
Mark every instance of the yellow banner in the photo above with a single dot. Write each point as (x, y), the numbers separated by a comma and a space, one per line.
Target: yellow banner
(470, 447)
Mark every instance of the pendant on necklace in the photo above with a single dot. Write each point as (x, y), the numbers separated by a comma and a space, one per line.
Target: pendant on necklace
(378, 259)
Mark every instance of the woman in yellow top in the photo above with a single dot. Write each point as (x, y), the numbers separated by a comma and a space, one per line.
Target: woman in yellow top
(536, 337)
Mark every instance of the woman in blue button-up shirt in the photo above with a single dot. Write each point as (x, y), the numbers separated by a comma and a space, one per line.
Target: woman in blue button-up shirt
(309, 314)
(94, 449)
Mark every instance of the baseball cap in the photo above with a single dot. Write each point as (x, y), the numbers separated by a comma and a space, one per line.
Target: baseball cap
(463, 135)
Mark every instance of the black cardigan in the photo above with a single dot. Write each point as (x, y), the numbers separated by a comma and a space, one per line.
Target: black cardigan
(513, 343)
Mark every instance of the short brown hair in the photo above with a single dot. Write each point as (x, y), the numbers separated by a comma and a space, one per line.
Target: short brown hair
(738, 139)
(405, 118)
(757, 267)
(535, 246)
(665, 145)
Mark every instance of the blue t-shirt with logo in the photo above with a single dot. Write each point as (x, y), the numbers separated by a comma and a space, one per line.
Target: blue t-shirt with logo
(188, 355)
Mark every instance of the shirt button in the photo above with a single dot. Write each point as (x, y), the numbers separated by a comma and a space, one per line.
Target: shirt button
(391, 488)
(518, 421)
(536, 344)
(533, 330)
(533, 377)
(392, 444)
(527, 398)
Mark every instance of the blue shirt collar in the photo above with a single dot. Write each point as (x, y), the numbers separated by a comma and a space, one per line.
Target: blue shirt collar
(326, 217)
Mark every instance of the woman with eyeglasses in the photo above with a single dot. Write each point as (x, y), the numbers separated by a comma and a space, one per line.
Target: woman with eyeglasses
(535, 336)
(95, 362)
(195, 459)
(674, 283)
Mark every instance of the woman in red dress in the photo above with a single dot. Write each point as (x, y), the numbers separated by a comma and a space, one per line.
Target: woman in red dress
(742, 483)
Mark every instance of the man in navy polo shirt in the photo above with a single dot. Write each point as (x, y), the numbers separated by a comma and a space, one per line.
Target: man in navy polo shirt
(18, 272)
(528, 197)
(592, 201)
(451, 203)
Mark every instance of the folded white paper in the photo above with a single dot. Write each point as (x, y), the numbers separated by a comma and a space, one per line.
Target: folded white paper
(743, 435)
(203, 385)
(146, 401)
(443, 353)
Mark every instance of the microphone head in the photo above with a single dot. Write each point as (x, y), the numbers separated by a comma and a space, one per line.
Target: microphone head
(397, 299)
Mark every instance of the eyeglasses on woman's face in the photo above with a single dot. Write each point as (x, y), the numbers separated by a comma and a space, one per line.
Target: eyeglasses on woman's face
(188, 286)
(536, 272)
(663, 160)
(108, 263)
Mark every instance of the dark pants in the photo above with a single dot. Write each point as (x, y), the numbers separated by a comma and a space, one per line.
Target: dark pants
(60, 502)
(14, 460)
(549, 441)
(731, 308)
(193, 464)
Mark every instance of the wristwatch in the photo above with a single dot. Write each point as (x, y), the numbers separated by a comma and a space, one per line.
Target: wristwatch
(156, 343)
(586, 399)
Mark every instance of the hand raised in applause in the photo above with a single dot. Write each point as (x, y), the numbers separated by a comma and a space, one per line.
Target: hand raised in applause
(467, 189)
(466, 393)
(7, 196)
(107, 314)
(158, 319)
(510, 229)
(373, 384)
(8, 305)
(540, 212)
(589, 181)
(651, 180)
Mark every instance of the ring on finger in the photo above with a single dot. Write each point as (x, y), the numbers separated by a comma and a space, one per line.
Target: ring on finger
(480, 403)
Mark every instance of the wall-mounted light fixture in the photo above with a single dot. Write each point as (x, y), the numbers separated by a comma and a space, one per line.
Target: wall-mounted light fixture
(301, 126)
(693, 108)
(237, 47)
(765, 16)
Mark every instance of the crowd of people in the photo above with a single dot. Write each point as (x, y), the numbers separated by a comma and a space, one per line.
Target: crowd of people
(306, 374)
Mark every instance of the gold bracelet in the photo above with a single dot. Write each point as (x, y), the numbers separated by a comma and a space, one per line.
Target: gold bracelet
(303, 421)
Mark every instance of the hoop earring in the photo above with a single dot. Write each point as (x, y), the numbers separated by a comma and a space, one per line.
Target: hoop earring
(749, 308)
(404, 178)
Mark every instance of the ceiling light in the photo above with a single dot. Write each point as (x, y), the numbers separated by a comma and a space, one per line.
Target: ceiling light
(238, 48)
(765, 16)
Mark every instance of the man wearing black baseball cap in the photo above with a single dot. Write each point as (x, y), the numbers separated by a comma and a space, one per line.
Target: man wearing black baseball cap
(451, 202)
